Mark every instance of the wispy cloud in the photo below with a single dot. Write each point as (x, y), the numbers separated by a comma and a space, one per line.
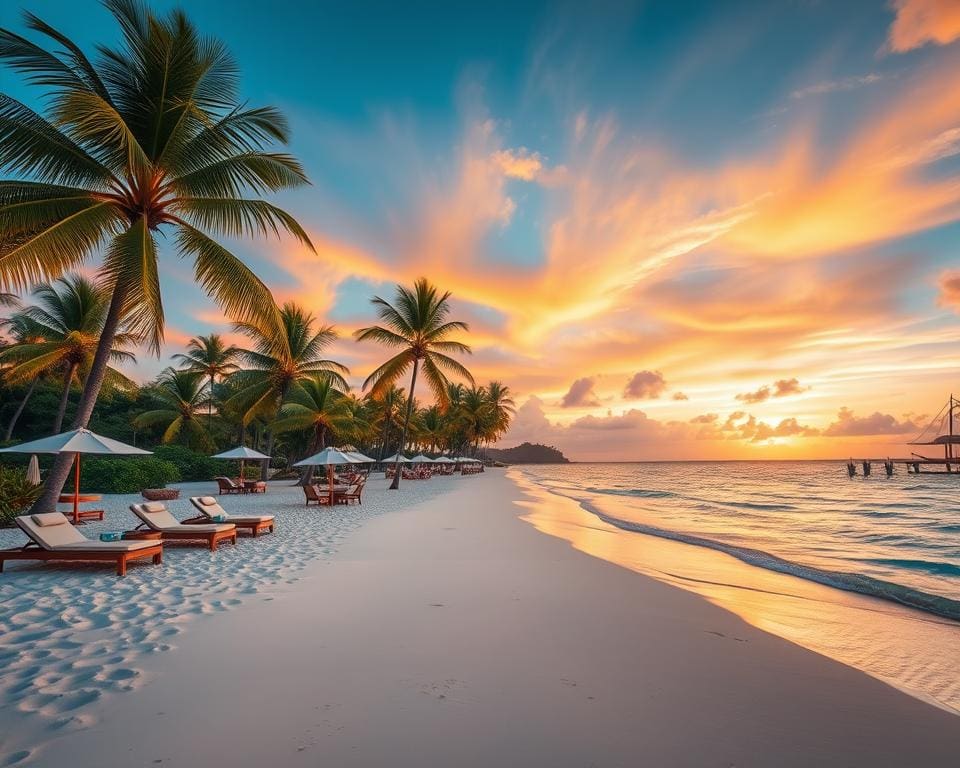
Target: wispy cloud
(833, 86)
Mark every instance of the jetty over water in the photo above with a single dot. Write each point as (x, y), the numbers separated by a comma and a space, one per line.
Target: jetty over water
(948, 464)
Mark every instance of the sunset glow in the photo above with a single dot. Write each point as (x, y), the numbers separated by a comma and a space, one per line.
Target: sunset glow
(665, 254)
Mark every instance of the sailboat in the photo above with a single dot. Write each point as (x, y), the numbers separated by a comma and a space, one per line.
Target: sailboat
(942, 426)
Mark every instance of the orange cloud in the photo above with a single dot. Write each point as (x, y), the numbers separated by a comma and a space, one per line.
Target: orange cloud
(919, 22)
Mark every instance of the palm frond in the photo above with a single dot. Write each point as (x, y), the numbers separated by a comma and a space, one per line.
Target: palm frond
(232, 283)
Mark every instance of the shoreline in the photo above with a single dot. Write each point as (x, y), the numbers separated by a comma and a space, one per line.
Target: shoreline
(876, 635)
(454, 632)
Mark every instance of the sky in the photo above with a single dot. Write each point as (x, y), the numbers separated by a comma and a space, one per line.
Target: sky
(678, 230)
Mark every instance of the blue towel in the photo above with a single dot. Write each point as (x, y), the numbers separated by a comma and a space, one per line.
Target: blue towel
(111, 536)
(219, 518)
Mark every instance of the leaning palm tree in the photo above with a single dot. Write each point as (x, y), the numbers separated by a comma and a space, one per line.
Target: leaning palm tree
(416, 324)
(317, 406)
(148, 138)
(65, 326)
(182, 395)
(211, 357)
(284, 353)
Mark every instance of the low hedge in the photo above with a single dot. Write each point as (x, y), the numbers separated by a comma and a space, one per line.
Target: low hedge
(125, 475)
(191, 464)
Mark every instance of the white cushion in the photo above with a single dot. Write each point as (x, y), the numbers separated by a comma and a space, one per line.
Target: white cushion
(50, 536)
(154, 506)
(107, 546)
(50, 518)
(207, 501)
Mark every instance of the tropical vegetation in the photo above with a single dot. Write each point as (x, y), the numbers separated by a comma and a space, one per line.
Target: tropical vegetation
(150, 137)
(146, 143)
(417, 324)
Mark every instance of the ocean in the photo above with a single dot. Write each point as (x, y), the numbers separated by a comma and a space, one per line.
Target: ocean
(866, 570)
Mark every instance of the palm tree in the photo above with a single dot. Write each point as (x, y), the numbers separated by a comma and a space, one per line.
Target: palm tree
(432, 428)
(284, 353)
(504, 408)
(388, 404)
(210, 356)
(416, 324)
(65, 327)
(477, 415)
(315, 405)
(9, 300)
(150, 137)
(182, 395)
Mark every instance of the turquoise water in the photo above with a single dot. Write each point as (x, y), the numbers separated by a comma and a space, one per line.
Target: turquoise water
(895, 538)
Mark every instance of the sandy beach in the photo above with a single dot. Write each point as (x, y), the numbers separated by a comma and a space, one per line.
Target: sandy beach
(452, 632)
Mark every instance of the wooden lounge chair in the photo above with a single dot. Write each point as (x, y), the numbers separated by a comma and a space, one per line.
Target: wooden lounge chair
(154, 515)
(52, 537)
(314, 496)
(228, 486)
(352, 494)
(209, 507)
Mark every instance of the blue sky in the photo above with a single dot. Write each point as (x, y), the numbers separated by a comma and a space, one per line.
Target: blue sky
(725, 194)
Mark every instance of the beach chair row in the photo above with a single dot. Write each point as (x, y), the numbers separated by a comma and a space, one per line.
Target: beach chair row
(52, 536)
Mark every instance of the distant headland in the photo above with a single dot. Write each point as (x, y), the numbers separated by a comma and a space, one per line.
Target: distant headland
(528, 453)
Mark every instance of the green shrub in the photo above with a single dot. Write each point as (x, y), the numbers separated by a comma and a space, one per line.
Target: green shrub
(16, 494)
(191, 464)
(125, 475)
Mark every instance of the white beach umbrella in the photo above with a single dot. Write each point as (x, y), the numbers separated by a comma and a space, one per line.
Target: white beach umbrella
(421, 459)
(328, 457)
(33, 470)
(242, 453)
(443, 460)
(360, 457)
(77, 442)
(393, 459)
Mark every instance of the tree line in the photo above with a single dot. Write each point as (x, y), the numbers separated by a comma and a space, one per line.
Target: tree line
(147, 151)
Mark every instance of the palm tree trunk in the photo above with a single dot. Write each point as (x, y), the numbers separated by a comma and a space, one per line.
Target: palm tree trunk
(265, 464)
(19, 412)
(88, 399)
(64, 396)
(406, 422)
(210, 405)
(383, 441)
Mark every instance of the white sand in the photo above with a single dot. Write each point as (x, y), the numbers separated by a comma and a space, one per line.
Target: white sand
(70, 633)
(454, 633)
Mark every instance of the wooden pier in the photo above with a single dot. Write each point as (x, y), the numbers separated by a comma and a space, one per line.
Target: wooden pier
(915, 465)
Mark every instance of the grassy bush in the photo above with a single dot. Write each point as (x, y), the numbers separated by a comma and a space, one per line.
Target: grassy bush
(191, 464)
(16, 494)
(125, 475)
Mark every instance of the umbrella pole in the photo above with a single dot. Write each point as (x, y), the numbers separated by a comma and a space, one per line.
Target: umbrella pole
(76, 492)
(330, 480)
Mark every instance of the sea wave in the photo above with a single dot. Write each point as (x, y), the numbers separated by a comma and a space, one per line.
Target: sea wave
(911, 597)
(850, 582)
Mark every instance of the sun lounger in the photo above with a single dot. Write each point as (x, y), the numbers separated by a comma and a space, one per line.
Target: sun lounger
(314, 496)
(154, 515)
(228, 486)
(209, 507)
(52, 537)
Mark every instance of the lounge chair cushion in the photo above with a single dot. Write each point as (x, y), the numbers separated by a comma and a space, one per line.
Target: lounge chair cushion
(107, 546)
(155, 506)
(50, 536)
(206, 501)
(50, 518)
(249, 519)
